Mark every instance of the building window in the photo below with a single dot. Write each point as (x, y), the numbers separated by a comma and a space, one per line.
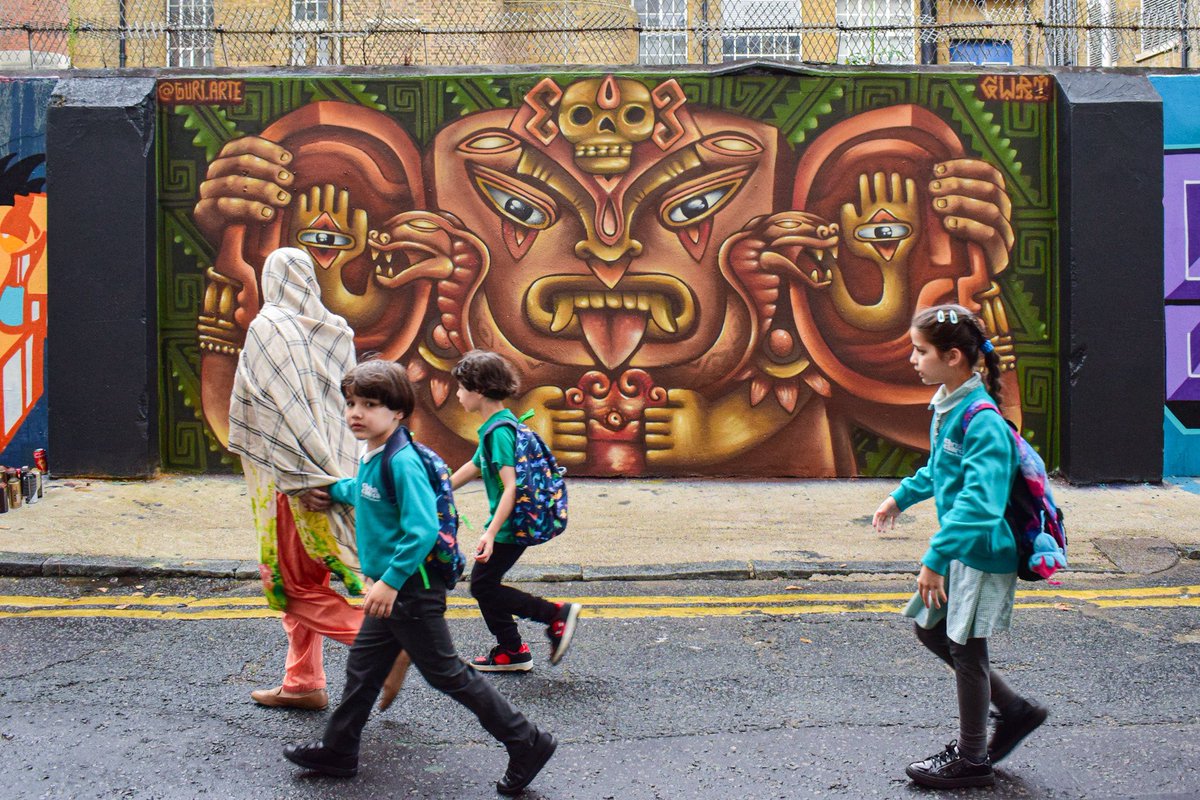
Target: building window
(316, 17)
(190, 33)
(876, 32)
(1101, 38)
(663, 35)
(761, 29)
(1163, 15)
(981, 52)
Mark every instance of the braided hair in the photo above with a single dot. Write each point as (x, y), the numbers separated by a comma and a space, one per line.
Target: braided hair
(951, 326)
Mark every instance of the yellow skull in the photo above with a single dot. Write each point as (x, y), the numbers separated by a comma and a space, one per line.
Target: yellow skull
(604, 118)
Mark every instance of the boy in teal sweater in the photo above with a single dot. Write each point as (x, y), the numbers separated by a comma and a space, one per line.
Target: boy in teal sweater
(406, 604)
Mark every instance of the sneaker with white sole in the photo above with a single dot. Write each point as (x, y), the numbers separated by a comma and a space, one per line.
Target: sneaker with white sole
(562, 629)
(501, 660)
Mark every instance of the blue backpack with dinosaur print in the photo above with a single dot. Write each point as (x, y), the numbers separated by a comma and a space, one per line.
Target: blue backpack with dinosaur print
(445, 556)
(540, 511)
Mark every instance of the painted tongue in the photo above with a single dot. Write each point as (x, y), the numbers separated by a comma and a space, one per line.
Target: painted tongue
(613, 334)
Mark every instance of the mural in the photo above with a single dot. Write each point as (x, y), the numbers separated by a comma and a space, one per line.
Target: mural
(693, 274)
(1181, 272)
(23, 409)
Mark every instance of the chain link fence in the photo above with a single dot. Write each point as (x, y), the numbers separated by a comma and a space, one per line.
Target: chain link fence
(242, 33)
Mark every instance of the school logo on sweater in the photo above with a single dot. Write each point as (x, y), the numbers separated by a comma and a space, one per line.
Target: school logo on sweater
(951, 446)
(370, 492)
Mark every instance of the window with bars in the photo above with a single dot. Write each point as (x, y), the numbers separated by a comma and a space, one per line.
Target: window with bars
(763, 29)
(1101, 39)
(190, 34)
(876, 32)
(663, 35)
(315, 16)
(1163, 15)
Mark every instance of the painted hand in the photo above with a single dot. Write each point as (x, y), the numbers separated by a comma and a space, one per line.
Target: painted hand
(564, 430)
(248, 183)
(970, 197)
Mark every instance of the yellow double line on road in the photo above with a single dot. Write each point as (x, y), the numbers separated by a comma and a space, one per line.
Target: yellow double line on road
(141, 606)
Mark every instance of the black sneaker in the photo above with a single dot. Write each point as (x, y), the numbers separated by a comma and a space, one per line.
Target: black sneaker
(501, 660)
(318, 758)
(524, 767)
(950, 769)
(560, 631)
(1014, 726)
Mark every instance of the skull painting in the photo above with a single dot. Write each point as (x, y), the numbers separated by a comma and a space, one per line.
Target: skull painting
(604, 118)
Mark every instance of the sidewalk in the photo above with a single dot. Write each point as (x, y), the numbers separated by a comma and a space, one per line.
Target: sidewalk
(620, 529)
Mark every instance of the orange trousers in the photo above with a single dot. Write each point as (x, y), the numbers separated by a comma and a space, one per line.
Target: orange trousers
(313, 610)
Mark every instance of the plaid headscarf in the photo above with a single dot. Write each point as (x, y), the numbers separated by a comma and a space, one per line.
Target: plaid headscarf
(286, 414)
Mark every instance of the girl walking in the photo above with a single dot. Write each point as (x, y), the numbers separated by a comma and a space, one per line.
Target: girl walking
(968, 576)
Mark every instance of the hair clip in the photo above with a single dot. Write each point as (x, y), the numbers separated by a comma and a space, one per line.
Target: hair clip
(987, 346)
(941, 316)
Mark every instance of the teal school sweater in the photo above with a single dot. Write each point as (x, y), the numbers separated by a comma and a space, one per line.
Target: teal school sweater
(969, 475)
(393, 538)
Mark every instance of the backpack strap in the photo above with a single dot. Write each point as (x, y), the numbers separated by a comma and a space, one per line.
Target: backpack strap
(399, 440)
(975, 408)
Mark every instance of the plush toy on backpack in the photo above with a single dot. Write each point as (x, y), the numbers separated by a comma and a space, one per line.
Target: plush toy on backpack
(1036, 522)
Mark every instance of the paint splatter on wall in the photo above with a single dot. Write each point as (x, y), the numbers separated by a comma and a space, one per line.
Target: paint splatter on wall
(693, 274)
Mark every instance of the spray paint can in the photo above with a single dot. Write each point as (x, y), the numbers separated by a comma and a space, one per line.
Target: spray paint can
(14, 488)
(39, 460)
(39, 478)
(3, 491)
(28, 485)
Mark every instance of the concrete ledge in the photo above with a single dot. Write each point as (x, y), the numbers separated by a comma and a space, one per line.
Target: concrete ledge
(28, 565)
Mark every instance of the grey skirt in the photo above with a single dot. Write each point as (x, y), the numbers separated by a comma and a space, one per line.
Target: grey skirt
(980, 604)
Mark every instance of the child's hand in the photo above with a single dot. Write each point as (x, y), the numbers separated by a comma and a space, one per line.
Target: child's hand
(380, 600)
(886, 514)
(932, 588)
(316, 500)
(484, 551)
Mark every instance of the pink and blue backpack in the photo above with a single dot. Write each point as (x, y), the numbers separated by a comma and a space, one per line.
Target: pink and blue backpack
(540, 512)
(1035, 520)
(445, 556)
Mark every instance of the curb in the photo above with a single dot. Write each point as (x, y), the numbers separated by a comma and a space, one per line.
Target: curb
(30, 565)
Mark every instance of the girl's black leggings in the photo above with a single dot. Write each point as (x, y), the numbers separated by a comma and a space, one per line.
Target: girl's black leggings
(977, 684)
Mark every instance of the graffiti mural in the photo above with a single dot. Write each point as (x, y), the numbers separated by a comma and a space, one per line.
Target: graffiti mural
(693, 274)
(1181, 272)
(23, 409)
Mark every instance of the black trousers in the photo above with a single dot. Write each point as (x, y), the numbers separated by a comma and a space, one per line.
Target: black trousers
(499, 603)
(418, 625)
(977, 683)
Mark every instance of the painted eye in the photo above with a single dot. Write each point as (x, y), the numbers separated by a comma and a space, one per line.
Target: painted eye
(692, 208)
(882, 232)
(517, 208)
(321, 238)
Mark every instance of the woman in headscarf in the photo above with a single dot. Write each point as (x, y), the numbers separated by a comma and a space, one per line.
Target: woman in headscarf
(286, 421)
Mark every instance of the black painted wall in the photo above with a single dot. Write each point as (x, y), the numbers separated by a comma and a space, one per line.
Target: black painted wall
(102, 339)
(1111, 229)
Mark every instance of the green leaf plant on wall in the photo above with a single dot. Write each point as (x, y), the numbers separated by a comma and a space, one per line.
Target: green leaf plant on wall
(694, 274)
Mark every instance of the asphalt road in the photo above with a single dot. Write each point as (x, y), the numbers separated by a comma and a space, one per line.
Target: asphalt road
(677, 689)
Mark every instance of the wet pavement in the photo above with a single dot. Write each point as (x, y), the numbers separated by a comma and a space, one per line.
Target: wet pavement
(674, 689)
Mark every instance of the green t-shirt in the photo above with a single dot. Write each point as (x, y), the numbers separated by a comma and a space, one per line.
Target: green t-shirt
(500, 448)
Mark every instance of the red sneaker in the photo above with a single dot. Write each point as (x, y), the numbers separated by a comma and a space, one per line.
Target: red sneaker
(562, 629)
(501, 660)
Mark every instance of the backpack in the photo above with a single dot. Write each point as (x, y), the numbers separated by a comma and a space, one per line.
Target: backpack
(1035, 520)
(445, 556)
(540, 511)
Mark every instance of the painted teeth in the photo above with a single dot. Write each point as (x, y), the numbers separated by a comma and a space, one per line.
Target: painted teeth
(593, 151)
(660, 312)
(815, 277)
(564, 312)
(388, 272)
(828, 274)
(656, 305)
